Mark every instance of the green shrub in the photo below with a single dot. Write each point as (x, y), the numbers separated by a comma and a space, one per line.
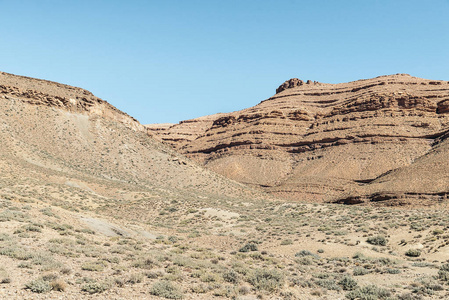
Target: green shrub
(38, 286)
(369, 292)
(438, 231)
(443, 273)
(224, 292)
(144, 263)
(305, 261)
(231, 276)
(120, 282)
(153, 275)
(166, 289)
(378, 240)
(33, 228)
(360, 271)
(95, 287)
(348, 283)
(417, 227)
(427, 287)
(172, 239)
(303, 253)
(444, 267)
(358, 255)
(50, 277)
(93, 266)
(393, 271)
(135, 278)
(268, 280)
(384, 261)
(47, 211)
(413, 252)
(208, 277)
(249, 247)
(5, 280)
(199, 288)
(328, 284)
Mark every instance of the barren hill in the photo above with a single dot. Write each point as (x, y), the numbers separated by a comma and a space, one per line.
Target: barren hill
(54, 133)
(380, 139)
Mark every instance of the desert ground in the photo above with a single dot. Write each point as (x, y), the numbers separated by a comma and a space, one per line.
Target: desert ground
(94, 206)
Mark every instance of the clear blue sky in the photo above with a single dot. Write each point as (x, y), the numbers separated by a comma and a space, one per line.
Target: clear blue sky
(167, 61)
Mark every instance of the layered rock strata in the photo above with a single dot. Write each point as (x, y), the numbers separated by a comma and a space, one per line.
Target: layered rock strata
(52, 94)
(330, 142)
(55, 134)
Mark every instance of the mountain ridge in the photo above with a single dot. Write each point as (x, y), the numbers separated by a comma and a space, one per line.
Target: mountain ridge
(48, 127)
(385, 122)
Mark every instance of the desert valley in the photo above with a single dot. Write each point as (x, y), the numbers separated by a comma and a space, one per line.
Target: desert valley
(322, 191)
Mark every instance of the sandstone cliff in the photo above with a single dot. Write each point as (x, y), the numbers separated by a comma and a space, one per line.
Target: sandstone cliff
(348, 142)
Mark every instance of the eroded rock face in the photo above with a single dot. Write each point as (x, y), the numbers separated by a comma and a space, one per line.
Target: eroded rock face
(52, 94)
(57, 135)
(291, 83)
(327, 142)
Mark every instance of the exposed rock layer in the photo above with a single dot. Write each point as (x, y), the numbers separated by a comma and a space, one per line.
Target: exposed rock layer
(57, 134)
(331, 142)
(52, 94)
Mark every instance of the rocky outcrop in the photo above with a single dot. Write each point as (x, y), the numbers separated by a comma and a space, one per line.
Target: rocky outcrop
(292, 83)
(57, 135)
(176, 135)
(325, 142)
(52, 94)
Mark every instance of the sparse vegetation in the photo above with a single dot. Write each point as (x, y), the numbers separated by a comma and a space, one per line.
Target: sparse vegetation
(249, 247)
(38, 286)
(95, 287)
(166, 289)
(348, 283)
(413, 252)
(231, 276)
(369, 292)
(93, 266)
(124, 228)
(267, 280)
(377, 240)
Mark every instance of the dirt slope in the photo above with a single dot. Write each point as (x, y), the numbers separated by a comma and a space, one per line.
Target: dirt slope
(323, 142)
(59, 133)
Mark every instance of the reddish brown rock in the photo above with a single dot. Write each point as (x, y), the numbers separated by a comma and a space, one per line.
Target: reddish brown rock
(294, 82)
(324, 142)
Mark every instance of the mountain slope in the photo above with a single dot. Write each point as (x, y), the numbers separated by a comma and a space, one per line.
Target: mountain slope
(90, 202)
(320, 142)
(57, 133)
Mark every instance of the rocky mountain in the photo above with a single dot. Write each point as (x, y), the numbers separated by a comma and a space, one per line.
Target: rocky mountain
(380, 139)
(58, 134)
